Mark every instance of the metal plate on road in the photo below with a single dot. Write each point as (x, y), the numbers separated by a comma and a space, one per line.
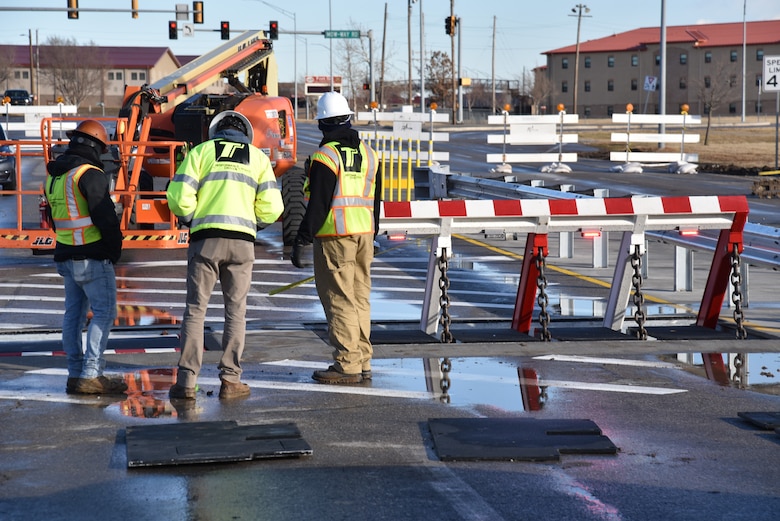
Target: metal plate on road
(211, 442)
(518, 439)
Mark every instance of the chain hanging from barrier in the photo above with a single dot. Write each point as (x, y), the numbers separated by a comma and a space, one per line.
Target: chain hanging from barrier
(444, 298)
(639, 299)
(736, 295)
(445, 321)
(542, 299)
(445, 384)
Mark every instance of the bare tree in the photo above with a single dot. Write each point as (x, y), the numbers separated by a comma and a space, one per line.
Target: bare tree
(542, 90)
(354, 67)
(7, 59)
(713, 90)
(75, 71)
(439, 76)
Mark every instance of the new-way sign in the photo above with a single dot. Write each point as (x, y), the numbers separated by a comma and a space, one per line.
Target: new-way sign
(771, 77)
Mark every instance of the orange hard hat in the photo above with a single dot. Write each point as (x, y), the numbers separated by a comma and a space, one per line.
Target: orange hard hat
(91, 129)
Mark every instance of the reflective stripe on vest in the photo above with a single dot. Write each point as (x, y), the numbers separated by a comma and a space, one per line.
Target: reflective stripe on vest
(352, 206)
(70, 209)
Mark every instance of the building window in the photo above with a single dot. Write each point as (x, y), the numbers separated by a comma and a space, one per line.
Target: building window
(658, 59)
(734, 56)
(587, 86)
(732, 108)
(708, 57)
(565, 63)
(587, 112)
(610, 110)
(134, 76)
(142, 76)
(683, 83)
(634, 84)
(733, 80)
(587, 62)
(707, 82)
(610, 61)
(118, 75)
(610, 85)
(564, 86)
(110, 76)
(759, 55)
(634, 60)
(683, 58)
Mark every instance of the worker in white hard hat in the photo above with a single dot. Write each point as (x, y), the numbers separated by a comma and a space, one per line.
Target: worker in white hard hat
(341, 219)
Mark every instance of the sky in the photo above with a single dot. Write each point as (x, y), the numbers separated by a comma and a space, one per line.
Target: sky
(523, 29)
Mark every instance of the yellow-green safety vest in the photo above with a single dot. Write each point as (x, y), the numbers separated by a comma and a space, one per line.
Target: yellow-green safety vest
(352, 208)
(225, 185)
(70, 209)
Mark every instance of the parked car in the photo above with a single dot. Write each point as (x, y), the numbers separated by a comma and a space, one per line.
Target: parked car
(7, 164)
(18, 96)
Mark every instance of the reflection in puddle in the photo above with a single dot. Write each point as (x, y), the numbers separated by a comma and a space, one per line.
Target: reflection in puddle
(147, 395)
(467, 381)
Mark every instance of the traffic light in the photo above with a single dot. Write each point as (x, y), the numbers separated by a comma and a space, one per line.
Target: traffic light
(134, 8)
(73, 4)
(449, 24)
(173, 30)
(224, 30)
(197, 12)
(273, 30)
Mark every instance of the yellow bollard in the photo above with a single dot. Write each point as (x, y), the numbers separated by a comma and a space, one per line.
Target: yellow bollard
(409, 170)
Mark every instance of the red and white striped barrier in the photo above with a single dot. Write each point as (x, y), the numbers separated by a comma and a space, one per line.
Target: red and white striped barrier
(539, 217)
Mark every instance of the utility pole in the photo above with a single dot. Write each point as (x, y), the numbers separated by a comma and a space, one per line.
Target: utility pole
(452, 61)
(577, 9)
(409, 46)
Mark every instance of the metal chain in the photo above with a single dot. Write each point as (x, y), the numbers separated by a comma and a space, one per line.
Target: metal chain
(444, 299)
(446, 367)
(740, 371)
(639, 299)
(542, 299)
(736, 295)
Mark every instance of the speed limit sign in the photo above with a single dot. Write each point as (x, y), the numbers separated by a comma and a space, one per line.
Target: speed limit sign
(771, 77)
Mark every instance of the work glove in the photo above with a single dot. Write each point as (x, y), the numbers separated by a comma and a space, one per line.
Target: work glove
(297, 254)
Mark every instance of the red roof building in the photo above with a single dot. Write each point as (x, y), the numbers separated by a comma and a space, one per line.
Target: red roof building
(704, 68)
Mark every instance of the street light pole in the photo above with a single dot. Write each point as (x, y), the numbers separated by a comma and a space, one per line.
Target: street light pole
(577, 9)
(295, 49)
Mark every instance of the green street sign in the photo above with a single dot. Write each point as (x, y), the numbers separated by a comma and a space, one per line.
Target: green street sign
(342, 34)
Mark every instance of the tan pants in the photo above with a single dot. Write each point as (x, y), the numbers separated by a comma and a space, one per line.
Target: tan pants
(342, 274)
(230, 261)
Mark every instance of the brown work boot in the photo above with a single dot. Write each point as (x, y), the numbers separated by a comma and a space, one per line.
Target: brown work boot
(230, 390)
(100, 385)
(334, 376)
(181, 392)
(70, 387)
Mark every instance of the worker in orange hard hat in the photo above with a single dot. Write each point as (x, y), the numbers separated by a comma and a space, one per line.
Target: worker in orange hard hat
(89, 243)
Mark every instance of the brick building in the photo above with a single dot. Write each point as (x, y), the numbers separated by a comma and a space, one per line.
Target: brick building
(704, 63)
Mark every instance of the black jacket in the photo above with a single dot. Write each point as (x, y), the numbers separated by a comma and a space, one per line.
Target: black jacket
(94, 184)
(322, 183)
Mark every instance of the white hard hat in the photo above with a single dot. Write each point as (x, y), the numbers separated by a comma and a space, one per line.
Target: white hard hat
(213, 127)
(331, 105)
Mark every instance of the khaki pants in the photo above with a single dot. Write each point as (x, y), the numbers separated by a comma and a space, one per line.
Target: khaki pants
(230, 261)
(342, 274)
